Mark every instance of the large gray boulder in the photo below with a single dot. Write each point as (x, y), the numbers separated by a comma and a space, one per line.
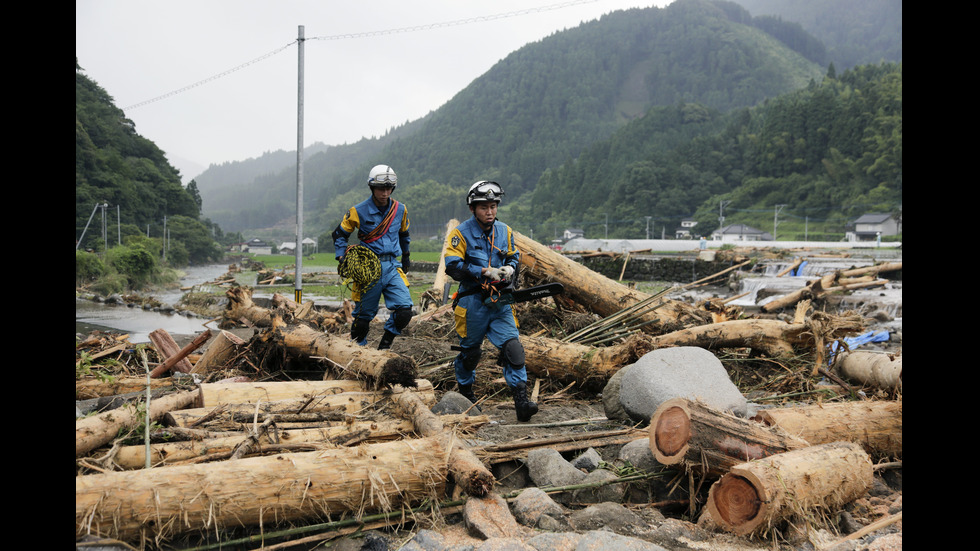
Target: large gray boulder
(680, 372)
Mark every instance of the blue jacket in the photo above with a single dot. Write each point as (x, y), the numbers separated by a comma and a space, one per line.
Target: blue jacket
(469, 249)
(365, 217)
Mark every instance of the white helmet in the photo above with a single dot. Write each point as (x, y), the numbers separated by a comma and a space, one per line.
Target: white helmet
(382, 176)
(484, 190)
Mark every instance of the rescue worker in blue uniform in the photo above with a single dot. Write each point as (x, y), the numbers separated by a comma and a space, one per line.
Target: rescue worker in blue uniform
(481, 255)
(382, 226)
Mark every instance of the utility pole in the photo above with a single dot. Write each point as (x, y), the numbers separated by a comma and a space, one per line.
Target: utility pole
(721, 213)
(606, 214)
(299, 173)
(648, 227)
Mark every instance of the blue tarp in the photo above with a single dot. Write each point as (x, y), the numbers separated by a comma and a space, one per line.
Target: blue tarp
(854, 342)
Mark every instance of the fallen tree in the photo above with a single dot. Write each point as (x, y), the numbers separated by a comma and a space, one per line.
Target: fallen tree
(152, 504)
(752, 497)
(876, 369)
(97, 430)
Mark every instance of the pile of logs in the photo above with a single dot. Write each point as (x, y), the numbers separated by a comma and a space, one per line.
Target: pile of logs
(254, 454)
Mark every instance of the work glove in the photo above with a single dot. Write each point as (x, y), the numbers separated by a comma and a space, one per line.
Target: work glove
(507, 272)
(495, 274)
(406, 263)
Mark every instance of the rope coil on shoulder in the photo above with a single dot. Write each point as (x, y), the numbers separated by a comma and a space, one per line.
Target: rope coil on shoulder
(360, 267)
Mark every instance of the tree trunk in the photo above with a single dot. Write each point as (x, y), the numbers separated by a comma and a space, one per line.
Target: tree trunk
(875, 425)
(214, 394)
(599, 293)
(308, 407)
(772, 337)
(96, 388)
(816, 289)
(166, 347)
(685, 432)
(380, 367)
(873, 270)
(92, 432)
(222, 349)
(877, 369)
(241, 309)
(342, 434)
(470, 474)
(562, 361)
(259, 491)
(173, 361)
(753, 496)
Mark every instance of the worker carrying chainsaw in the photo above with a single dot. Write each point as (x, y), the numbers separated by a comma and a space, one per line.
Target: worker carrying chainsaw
(481, 255)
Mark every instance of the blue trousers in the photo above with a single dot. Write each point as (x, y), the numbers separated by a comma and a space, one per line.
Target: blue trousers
(476, 321)
(395, 292)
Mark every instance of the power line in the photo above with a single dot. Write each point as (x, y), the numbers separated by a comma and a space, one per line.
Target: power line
(401, 30)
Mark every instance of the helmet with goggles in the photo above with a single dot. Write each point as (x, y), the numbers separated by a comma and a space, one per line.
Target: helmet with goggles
(484, 191)
(382, 176)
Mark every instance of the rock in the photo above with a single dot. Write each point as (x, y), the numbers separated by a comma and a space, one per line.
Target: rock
(588, 460)
(510, 475)
(503, 544)
(608, 515)
(567, 541)
(547, 467)
(638, 454)
(534, 505)
(600, 540)
(489, 517)
(610, 397)
(599, 494)
(680, 372)
(453, 402)
(425, 540)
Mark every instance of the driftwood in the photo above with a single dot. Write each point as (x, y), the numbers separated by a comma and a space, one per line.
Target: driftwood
(876, 369)
(875, 425)
(599, 293)
(222, 349)
(153, 504)
(241, 309)
(166, 347)
(215, 394)
(92, 432)
(819, 288)
(565, 361)
(497, 453)
(688, 433)
(470, 474)
(178, 359)
(754, 496)
(87, 389)
(340, 434)
(380, 367)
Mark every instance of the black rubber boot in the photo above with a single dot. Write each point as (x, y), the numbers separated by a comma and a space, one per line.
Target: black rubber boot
(525, 407)
(467, 392)
(386, 340)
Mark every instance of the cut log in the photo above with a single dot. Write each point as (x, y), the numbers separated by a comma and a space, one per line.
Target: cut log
(470, 474)
(154, 504)
(875, 425)
(341, 434)
(564, 361)
(309, 407)
(174, 361)
(214, 394)
(240, 307)
(876, 369)
(92, 432)
(754, 496)
(222, 349)
(88, 389)
(599, 293)
(166, 347)
(872, 270)
(688, 433)
(382, 368)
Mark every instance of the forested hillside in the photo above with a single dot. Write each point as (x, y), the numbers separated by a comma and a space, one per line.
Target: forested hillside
(544, 104)
(824, 155)
(115, 166)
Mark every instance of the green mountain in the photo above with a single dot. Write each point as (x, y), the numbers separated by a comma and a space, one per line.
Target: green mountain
(540, 106)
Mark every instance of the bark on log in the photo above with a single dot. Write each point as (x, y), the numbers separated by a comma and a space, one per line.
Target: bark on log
(380, 367)
(341, 434)
(240, 307)
(816, 289)
(563, 361)
(754, 496)
(773, 337)
(92, 432)
(214, 394)
(176, 360)
(166, 347)
(294, 409)
(875, 425)
(599, 293)
(222, 349)
(88, 389)
(877, 369)
(152, 505)
(688, 433)
(873, 270)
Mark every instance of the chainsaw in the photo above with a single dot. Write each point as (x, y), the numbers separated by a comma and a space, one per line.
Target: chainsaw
(510, 295)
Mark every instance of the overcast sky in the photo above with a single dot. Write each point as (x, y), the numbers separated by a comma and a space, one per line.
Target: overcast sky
(213, 81)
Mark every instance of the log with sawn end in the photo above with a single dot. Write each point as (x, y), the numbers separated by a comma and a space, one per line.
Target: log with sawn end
(688, 433)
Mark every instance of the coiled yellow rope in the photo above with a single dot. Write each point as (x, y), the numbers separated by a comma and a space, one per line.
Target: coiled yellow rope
(360, 267)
